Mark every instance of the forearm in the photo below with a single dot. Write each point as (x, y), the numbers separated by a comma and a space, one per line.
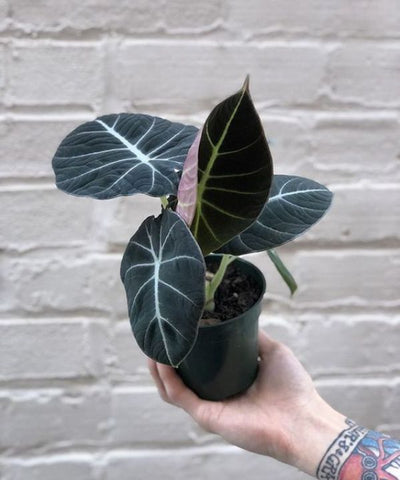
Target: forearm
(359, 453)
(331, 447)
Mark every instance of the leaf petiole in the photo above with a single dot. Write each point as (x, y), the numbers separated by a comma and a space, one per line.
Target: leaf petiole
(215, 280)
(283, 271)
(164, 201)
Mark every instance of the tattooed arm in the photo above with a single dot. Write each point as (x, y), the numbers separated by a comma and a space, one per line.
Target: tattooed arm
(359, 453)
(282, 416)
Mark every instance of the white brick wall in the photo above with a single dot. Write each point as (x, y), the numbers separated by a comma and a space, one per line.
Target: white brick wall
(76, 400)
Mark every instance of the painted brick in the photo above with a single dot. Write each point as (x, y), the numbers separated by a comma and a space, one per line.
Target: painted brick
(339, 18)
(363, 214)
(355, 278)
(288, 142)
(283, 328)
(28, 145)
(105, 286)
(8, 300)
(349, 344)
(201, 16)
(159, 84)
(226, 463)
(66, 284)
(364, 279)
(125, 16)
(158, 422)
(60, 467)
(48, 417)
(3, 10)
(2, 66)
(44, 218)
(393, 402)
(129, 363)
(367, 402)
(57, 349)
(128, 215)
(366, 74)
(324, 78)
(393, 430)
(351, 148)
(59, 74)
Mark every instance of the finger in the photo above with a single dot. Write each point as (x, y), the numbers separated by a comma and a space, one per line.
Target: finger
(157, 380)
(177, 392)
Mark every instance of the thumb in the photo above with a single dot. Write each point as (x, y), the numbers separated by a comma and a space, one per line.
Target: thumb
(265, 344)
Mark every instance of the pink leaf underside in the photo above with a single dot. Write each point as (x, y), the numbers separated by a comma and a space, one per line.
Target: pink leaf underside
(187, 189)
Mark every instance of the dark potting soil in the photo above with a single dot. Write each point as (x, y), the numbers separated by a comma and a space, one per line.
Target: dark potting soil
(236, 294)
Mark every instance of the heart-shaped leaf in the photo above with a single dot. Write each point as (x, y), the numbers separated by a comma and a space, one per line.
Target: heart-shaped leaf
(187, 190)
(235, 172)
(294, 205)
(122, 155)
(163, 271)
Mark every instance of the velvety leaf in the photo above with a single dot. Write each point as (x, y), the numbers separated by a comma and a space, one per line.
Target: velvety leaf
(163, 271)
(122, 155)
(235, 171)
(187, 190)
(294, 205)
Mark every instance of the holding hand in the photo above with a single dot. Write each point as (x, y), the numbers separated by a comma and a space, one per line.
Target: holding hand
(280, 415)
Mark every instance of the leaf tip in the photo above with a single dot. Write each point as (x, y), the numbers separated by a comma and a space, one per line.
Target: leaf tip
(246, 83)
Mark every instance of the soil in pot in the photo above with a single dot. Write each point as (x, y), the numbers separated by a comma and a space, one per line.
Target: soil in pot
(236, 294)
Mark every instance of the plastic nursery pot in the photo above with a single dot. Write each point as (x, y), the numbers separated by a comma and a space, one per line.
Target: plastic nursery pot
(224, 359)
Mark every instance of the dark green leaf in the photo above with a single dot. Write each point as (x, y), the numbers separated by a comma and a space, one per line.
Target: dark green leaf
(235, 170)
(294, 205)
(163, 271)
(122, 155)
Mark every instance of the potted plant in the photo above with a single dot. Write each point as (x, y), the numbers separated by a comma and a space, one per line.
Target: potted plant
(219, 196)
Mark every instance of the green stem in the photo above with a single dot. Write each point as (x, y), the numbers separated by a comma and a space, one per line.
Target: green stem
(164, 201)
(283, 271)
(214, 283)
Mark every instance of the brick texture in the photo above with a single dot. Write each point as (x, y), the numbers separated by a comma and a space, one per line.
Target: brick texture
(62, 467)
(33, 419)
(134, 411)
(46, 218)
(228, 463)
(363, 18)
(365, 74)
(51, 349)
(76, 397)
(345, 148)
(232, 61)
(28, 143)
(126, 16)
(59, 74)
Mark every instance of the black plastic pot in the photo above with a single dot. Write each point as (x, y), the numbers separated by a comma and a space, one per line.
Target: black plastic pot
(223, 361)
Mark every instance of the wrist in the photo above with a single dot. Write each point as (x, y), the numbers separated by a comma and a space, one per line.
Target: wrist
(313, 433)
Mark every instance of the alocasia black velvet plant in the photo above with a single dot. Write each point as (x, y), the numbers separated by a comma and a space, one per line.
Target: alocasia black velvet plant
(218, 194)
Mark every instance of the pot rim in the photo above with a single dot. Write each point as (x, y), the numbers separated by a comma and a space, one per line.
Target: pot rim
(260, 298)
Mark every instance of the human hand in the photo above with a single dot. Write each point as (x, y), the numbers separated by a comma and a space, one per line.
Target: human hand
(280, 415)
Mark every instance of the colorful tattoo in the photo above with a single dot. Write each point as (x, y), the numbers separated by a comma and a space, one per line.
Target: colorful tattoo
(361, 454)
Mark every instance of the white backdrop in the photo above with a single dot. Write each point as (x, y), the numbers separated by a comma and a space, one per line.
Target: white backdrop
(76, 400)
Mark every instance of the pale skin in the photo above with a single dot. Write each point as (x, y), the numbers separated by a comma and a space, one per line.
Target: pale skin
(281, 415)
